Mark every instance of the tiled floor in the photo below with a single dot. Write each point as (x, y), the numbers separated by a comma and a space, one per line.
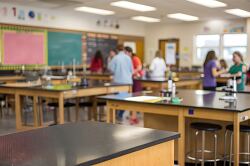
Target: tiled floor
(7, 123)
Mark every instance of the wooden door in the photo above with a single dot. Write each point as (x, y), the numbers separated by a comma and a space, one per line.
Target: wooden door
(162, 48)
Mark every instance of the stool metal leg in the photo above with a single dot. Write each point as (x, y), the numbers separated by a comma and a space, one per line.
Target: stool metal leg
(2, 112)
(231, 149)
(196, 148)
(68, 114)
(55, 115)
(215, 149)
(225, 148)
(203, 149)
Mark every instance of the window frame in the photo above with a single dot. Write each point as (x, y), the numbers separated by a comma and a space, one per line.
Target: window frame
(197, 61)
(221, 46)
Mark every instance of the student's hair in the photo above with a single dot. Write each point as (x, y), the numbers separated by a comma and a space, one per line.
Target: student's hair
(211, 55)
(98, 55)
(120, 47)
(223, 63)
(114, 50)
(128, 49)
(239, 55)
(133, 54)
(158, 54)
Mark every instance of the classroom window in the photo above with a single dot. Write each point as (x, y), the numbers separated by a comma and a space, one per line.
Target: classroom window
(224, 45)
(205, 43)
(234, 42)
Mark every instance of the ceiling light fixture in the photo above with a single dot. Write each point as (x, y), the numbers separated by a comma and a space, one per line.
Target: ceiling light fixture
(209, 3)
(94, 10)
(183, 17)
(238, 12)
(133, 6)
(145, 19)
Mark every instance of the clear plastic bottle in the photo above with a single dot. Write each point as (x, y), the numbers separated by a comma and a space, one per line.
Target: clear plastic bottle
(170, 82)
(173, 90)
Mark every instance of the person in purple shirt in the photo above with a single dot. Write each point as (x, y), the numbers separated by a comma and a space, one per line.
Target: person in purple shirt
(211, 71)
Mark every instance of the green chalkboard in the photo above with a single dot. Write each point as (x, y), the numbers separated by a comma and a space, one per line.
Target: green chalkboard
(63, 48)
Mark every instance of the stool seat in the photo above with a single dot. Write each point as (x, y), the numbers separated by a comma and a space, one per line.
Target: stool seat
(85, 104)
(243, 128)
(206, 126)
(2, 97)
(101, 103)
(89, 104)
(66, 105)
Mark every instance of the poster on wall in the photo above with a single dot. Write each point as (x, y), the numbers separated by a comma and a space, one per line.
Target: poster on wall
(131, 45)
(170, 53)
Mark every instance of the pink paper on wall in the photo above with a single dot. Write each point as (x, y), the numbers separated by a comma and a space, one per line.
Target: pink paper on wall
(24, 48)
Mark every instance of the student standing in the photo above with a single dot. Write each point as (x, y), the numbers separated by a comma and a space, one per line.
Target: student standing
(137, 68)
(121, 67)
(97, 62)
(238, 69)
(158, 66)
(137, 73)
(223, 64)
(112, 54)
(210, 71)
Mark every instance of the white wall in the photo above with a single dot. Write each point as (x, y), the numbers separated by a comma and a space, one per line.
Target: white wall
(67, 19)
(185, 32)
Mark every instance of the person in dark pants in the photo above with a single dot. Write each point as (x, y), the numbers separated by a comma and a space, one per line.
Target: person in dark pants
(210, 71)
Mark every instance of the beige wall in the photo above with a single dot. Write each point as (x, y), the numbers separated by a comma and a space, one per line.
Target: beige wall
(69, 19)
(185, 32)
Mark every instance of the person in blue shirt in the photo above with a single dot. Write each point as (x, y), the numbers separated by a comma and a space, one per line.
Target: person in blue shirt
(122, 68)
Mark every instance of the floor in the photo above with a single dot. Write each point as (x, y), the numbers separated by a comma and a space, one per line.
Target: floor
(8, 125)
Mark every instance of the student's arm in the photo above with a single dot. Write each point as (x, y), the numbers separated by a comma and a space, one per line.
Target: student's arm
(138, 65)
(217, 73)
(244, 68)
(152, 66)
(165, 66)
(111, 65)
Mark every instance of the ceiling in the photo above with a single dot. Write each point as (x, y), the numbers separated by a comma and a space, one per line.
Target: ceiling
(163, 7)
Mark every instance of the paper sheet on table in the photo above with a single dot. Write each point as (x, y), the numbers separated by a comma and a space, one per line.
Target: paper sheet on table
(151, 99)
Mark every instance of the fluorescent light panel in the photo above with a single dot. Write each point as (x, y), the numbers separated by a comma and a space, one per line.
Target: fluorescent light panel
(145, 19)
(208, 3)
(238, 12)
(133, 6)
(183, 17)
(94, 10)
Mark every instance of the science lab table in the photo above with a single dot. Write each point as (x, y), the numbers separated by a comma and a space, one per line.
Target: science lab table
(37, 91)
(162, 83)
(197, 104)
(88, 143)
(11, 79)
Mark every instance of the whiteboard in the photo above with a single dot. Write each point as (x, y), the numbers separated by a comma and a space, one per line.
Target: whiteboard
(170, 53)
(131, 45)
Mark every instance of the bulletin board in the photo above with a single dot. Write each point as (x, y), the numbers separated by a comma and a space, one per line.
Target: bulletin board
(64, 47)
(23, 46)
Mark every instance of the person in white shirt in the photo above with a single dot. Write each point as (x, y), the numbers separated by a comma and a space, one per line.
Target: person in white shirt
(158, 66)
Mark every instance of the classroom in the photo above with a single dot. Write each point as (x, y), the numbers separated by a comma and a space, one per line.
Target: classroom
(124, 82)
